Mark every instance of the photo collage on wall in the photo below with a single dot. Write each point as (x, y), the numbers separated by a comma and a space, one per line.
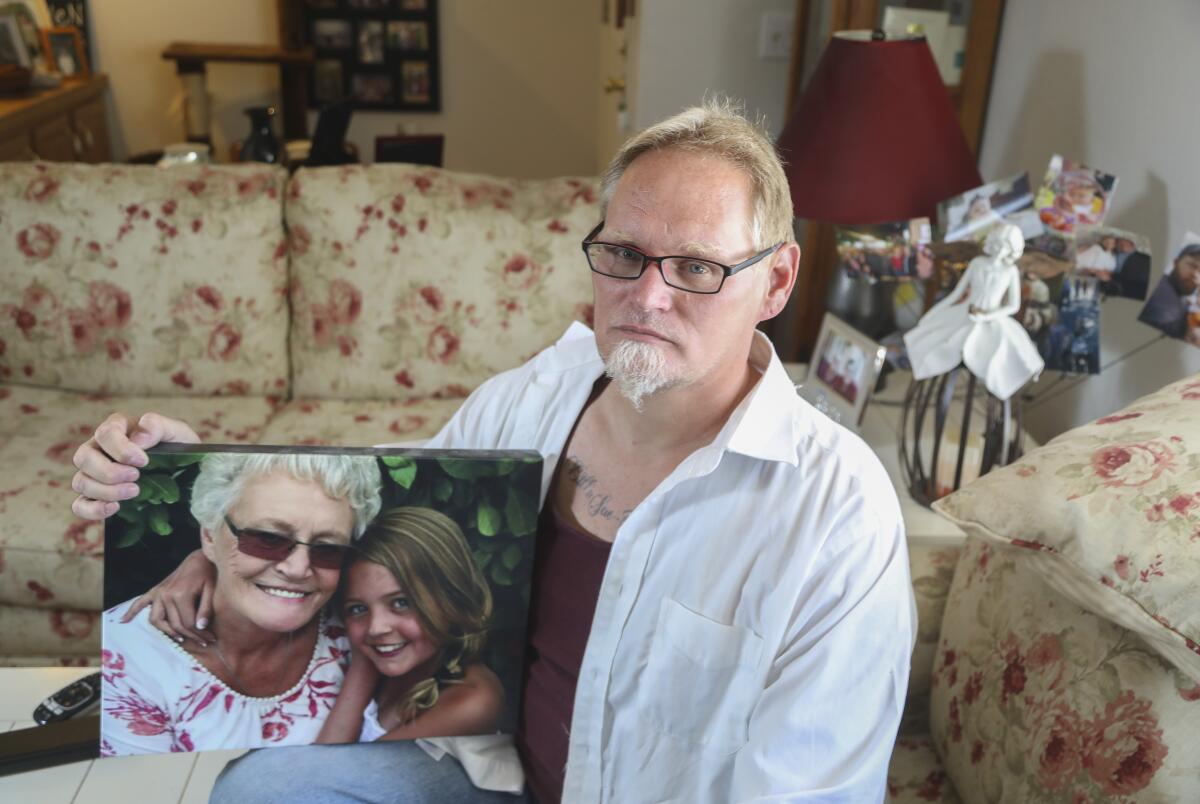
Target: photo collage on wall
(1174, 306)
(380, 54)
(897, 250)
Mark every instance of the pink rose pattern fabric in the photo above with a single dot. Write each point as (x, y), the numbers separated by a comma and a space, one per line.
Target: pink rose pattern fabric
(1036, 699)
(931, 563)
(915, 774)
(49, 632)
(364, 423)
(139, 280)
(1113, 509)
(49, 559)
(415, 283)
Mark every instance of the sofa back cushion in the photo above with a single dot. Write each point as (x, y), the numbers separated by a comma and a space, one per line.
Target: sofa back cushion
(414, 282)
(143, 281)
(1037, 699)
(1109, 513)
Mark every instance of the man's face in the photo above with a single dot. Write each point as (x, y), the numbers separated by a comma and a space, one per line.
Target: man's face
(674, 203)
(1186, 275)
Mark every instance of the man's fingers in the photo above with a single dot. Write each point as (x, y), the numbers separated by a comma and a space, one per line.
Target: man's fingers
(154, 428)
(84, 508)
(105, 492)
(112, 436)
(91, 460)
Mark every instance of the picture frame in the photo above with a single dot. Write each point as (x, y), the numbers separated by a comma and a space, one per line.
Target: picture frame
(64, 52)
(13, 49)
(451, 532)
(388, 51)
(844, 367)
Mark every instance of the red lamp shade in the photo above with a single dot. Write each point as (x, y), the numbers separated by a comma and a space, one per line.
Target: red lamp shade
(874, 138)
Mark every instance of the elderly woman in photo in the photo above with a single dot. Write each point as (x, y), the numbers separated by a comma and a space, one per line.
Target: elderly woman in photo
(275, 528)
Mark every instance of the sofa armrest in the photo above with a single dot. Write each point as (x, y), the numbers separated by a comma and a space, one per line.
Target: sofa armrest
(932, 564)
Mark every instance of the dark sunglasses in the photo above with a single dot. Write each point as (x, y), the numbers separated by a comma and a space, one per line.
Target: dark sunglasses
(276, 547)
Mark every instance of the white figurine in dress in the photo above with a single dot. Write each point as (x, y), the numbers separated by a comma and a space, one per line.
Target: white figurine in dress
(974, 324)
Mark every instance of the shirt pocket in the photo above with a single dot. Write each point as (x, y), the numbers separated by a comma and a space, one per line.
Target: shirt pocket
(701, 679)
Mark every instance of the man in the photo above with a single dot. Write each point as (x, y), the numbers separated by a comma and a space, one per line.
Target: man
(721, 610)
(1167, 307)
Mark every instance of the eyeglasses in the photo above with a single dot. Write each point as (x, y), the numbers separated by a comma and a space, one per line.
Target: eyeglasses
(685, 273)
(276, 547)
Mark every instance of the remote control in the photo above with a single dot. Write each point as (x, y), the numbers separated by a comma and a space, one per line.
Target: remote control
(75, 698)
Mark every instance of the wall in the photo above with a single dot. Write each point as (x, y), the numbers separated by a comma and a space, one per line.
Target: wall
(1112, 83)
(687, 48)
(519, 80)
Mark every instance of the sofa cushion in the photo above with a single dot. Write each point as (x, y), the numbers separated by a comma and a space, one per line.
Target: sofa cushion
(49, 632)
(357, 423)
(413, 282)
(1111, 513)
(915, 773)
(48, 558)
(143, 281)
(1037, 699)
(931, 562)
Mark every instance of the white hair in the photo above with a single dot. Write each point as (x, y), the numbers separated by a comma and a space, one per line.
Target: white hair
(223, 475)
(639, 370)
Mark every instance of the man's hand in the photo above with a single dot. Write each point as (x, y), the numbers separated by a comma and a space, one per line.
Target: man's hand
(181, 605)
(108, 461)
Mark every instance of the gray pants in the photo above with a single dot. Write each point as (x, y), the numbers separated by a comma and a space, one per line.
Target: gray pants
(371, 773)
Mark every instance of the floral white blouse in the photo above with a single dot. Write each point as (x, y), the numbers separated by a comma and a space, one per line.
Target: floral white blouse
(156, 698)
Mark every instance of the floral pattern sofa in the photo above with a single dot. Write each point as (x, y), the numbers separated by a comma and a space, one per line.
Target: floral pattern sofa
(1058, 653)
(343, 305)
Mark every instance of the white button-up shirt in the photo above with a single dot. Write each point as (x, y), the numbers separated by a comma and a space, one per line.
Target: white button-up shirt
(752, 636)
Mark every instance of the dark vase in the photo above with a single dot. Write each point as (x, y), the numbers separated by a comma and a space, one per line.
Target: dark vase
(262, 145)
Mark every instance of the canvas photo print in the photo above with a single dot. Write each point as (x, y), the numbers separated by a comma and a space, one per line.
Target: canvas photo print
(897, 250)
(1119, 259)
(843, 371)
(973, 214)
(356, 594)
(1174, 307)
(1071, 343)
(1073, 194)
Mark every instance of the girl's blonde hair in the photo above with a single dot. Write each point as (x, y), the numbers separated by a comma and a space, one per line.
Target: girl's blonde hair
(427, 554)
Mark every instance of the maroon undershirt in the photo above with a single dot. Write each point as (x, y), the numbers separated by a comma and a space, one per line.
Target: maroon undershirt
(567, 572)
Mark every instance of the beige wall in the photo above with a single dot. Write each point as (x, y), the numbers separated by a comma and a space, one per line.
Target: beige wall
(519, 80)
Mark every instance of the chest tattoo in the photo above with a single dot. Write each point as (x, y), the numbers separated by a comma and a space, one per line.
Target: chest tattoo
(599, 502)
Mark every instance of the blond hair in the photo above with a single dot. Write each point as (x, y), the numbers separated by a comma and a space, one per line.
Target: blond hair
(719, 128)
(427, 554)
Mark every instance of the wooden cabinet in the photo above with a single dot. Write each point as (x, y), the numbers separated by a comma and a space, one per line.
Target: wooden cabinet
(64, 124)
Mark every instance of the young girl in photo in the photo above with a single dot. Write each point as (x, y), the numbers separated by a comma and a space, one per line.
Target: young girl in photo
(416, 611)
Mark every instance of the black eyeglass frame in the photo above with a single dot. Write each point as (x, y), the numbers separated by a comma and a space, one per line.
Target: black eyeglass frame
(728, 270)
(239, 533)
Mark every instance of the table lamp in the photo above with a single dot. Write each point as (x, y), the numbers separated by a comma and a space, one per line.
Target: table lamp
(874, 138)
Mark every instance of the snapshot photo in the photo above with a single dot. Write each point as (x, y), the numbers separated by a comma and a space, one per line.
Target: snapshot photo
(328, 82)
(1048, 255)
(972, 215)
(403, 35)
(1073, 195)
(388, 586)
(370, 42)
(843, 371)
(333, 34)
(372, 88)
(1072, 343)
(414, 78)
(1173, 308)
(899, 250)
(1119, 259)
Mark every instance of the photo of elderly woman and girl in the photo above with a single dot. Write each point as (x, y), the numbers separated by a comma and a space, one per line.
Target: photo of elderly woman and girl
(335, 616)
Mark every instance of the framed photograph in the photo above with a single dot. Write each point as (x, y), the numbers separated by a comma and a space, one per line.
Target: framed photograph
(414, 78)
(897, 250)
(1119, 259)
(402, 35)
(1072, 344)
(414, 563)
(973, 214)
(370, 42)
(12, 45)
(843, 371)
(64, 52)
(332, 34)
(1073, 194)
(329, 81)
(1174, 306)
(388, 50)
(372, 89)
